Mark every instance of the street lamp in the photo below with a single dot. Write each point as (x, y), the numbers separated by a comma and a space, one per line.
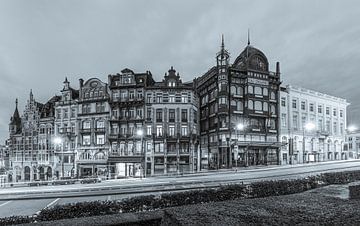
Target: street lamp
(241, 127)
(140, 133)
(58, 141)
(352, 128)
(308, 127)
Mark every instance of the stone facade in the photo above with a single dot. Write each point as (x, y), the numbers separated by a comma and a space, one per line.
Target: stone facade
(239, 111)
(326, 114)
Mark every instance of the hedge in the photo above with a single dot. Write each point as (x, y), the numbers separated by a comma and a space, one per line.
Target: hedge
(152, 202)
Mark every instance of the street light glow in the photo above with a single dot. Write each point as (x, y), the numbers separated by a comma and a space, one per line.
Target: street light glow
(240, 126)
(309, 126)
(57, 140)
(352, 128)
(139, 132)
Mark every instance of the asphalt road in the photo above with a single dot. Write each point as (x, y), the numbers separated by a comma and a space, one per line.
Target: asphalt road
(29, 200)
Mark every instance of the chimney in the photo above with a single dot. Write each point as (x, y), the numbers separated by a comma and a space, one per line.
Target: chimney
(277, 68)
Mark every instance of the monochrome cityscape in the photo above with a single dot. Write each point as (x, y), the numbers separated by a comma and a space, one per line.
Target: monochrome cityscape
(235, 115)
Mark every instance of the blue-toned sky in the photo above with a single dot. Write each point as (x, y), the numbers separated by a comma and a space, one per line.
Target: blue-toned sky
(41, 42)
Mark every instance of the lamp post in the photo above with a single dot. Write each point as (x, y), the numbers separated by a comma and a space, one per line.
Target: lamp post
(308, 127)
(241, 127)
(58, 141)
(140, 133)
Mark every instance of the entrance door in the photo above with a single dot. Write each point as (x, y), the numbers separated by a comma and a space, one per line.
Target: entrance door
(27, 173)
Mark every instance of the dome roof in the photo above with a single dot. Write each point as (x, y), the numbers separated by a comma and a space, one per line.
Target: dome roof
(253, 58)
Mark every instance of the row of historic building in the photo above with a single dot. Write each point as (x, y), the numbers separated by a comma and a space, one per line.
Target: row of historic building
(235, 114)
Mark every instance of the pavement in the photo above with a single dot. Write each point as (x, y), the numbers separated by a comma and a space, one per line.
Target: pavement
(29, 200)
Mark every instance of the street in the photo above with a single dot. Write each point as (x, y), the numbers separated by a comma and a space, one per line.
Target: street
(29, 200)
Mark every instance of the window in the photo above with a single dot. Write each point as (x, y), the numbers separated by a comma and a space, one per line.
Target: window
(341, 113)
(171, 115)
(294, 103)
(85, 155)
(327, 126)
(335, 128)
(258, 106)
(311, 108)
(86, 108)
(250, 89)
(58, 113)
(265, 91)
(295, 122)
(148, 114)
(100, 124)
(66, 115)
(334, 112)
(159, 115)
(148, 130)
(86, 139)
(132, 95)
(172, 98)
(258, 90)
(184, 130)
(86, 125)
(139, 113)
(158, 97)
(283, 101)
(272, 96)
(100, 139)
(73, 112)
(303, 104)
(139, 94)
(320, 109)
(159, 131)
(165, 98)
(272, 109)
(250, 104)
(184, 98)
(283, 120)
(100, 107)
(240, 106)
(171, 130)
(148, 97)
(320, 124)
(341, 128)
(222, 100)
(184, 115)
(328, 110)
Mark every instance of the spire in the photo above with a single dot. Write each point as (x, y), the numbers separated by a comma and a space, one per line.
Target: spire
(16, 103)
(222, 42)
(16, 117)
(66, 81)
(248, 36)
(31, 95)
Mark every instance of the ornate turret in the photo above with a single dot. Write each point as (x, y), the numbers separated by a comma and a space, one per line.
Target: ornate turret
(66, 84)
(15, 120)
(223, 56)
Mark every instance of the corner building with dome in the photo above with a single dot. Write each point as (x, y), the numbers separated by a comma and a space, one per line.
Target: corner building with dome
(239, 108)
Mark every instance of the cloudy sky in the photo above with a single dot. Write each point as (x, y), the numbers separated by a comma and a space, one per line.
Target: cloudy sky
(41, 42)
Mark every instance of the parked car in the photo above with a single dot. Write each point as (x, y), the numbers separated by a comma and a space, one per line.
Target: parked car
(38, 183)
(64, 181)
(90, 180)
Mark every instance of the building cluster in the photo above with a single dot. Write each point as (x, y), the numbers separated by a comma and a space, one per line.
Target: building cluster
(236, 114)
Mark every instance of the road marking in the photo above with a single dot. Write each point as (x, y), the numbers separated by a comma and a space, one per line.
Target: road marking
(52, 203)
(5, 203)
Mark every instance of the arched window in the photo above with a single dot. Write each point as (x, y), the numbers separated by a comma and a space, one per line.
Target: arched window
(240, 91)
(100, 156)
(272, 95)
(265, 106)
(233, 103)
(233, 90)
(272, 109)
(250, 89)
(265, 91)
(251, 104)
(100, 124)
(258, 106)
(86, 125)
(240, 106)
(258, 90)
(85, 155)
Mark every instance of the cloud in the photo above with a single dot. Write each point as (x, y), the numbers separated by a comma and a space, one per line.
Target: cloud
(41, 42)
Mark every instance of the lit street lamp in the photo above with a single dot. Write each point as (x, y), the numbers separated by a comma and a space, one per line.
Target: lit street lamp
(351, 128)
(58, 141)
(140, 133)
(241, 127)
(308, 127)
